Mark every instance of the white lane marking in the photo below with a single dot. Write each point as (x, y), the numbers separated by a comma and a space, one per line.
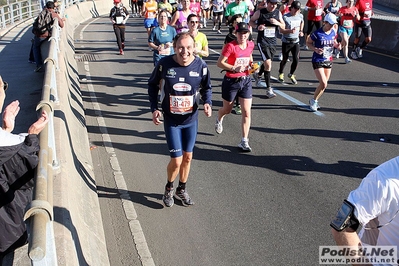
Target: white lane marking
(127, 203)
(289, 98)
(297, 102)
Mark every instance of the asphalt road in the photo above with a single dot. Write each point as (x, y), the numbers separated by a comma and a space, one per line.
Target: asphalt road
(268, 207)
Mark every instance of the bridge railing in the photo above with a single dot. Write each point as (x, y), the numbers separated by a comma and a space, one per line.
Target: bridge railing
(40, 216)
(18, 11)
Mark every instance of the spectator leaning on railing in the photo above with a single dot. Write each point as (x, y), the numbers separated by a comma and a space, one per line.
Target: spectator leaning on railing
(42, 31)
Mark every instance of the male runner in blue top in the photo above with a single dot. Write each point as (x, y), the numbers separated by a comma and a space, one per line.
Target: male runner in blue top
(182, 79)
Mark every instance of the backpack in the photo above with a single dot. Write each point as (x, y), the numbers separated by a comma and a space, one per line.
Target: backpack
(42, 23)
(118, 12)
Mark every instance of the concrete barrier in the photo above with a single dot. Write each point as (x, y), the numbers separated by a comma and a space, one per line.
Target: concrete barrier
(385, 36)
(394, 4)
(79, 233)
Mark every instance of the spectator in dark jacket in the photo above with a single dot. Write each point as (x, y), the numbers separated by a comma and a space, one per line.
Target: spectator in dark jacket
(18, 160)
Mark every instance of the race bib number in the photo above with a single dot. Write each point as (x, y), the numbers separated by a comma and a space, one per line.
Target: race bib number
(367, 13)
(151, 15)
(318, 12)
(181, 105)
(165, 51)
(119, 20)
(242, 62)
(347, 23)
(327, 52)
(295, 24)
(270, 32)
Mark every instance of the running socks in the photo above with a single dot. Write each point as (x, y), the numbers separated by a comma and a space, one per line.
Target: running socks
(169, 185)
(182, 186)
(267, 78)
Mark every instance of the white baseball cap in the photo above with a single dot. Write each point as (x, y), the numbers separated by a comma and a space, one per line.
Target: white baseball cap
(331, 18)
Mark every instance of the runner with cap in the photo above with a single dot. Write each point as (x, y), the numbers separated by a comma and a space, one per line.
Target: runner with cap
(236, 59)
(322, 42)
(118, 16)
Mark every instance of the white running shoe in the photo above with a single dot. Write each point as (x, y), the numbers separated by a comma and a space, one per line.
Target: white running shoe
(218, 126)
(244, 146)
(359, 52)
(270, 93)
(313, 105)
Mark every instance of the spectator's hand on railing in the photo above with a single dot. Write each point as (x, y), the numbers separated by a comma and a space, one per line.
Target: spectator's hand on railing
(9, 114)
(40, 124)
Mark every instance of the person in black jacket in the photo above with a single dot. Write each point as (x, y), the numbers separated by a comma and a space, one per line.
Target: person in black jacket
(18, 160)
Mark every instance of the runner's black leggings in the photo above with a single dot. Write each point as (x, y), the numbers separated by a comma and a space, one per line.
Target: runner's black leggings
(286, 48)
(120, 34)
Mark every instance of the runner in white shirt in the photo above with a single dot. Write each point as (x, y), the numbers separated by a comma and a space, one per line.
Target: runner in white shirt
(374, 206)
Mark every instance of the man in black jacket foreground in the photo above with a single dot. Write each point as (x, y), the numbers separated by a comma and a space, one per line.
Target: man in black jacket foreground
(18, 159)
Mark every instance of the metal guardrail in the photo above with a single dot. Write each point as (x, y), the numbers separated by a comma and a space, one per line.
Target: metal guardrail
(19, 11)
(40, 216)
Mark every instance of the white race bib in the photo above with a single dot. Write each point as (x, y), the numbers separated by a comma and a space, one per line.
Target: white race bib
(270, 32)
(242, 62)
(181, 104)
(347, 23)
(164, 51)
(318, 12)
(119, 20)
(327, 51)
(295, 24)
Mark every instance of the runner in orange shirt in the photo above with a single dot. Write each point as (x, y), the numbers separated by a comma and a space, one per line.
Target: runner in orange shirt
(149, 12)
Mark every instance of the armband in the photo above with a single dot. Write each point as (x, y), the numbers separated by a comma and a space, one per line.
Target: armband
(345, 217)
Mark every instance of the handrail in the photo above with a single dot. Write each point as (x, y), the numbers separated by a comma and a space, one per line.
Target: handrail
(18, 11)
(39, 216)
